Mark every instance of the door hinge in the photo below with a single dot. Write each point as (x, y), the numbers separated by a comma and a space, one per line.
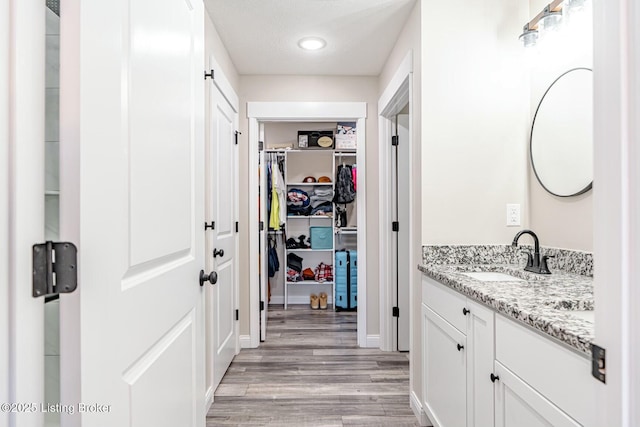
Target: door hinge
(261, 305)
(209, 75)
(598, 363)
(237, 133)
(394, 140)
(237, 314)
(54, 268)
(212, 226)
(261, 226)
(395, 226)
(396, 312)
(237, 226)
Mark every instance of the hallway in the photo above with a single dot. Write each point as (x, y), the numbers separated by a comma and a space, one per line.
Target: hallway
(311, 373)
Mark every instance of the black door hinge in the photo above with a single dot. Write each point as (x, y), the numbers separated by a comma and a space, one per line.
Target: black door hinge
(237, 226)
(209, 75)
(53, 278)
(237, 133)
(212, 226)
(396, 312)
(237, 314)
(261, 226)
(261, 305)
(598, 363)
(395, 226)
(394, 140)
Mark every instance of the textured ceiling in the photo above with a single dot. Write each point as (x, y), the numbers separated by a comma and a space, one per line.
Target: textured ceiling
(262, 35)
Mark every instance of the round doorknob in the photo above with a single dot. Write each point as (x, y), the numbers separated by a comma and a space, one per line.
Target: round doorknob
(211, 277)
(218, 252)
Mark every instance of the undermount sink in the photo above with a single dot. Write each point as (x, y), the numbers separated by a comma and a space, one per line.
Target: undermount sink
(492, 276)
(588, 315)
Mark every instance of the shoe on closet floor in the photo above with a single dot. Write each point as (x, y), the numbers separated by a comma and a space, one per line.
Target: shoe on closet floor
(323, 300)
(315, 302)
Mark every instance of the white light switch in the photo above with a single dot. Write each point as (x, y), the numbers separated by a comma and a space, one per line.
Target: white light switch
(513, 214)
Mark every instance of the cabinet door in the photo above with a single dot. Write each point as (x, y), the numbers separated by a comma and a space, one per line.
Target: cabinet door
(519, 405)
(444, 370)
(480, 358)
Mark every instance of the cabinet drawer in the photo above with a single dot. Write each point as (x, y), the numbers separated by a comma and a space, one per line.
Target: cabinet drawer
(444, 301)
(561, 375)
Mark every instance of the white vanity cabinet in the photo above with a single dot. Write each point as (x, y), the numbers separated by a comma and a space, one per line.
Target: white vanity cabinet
(482, 369)
(458, 356)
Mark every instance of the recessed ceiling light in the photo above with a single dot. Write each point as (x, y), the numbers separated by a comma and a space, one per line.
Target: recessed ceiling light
(312, 43)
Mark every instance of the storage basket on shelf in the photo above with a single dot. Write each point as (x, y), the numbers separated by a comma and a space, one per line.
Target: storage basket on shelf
(321, 237)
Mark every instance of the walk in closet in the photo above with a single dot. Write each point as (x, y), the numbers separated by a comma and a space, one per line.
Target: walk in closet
(308, 213)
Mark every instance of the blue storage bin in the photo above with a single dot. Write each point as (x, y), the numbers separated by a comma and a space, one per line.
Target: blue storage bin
(321, 237)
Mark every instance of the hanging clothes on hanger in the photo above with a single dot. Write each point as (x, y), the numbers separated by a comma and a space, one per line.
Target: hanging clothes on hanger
(354, 175)
(278, 211)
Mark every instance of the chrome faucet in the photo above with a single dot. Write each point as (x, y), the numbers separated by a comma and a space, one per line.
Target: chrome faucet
(535, 264)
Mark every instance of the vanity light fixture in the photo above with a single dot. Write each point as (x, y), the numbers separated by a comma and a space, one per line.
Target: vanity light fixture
(547, 19)
(312, 43)
(528, 36)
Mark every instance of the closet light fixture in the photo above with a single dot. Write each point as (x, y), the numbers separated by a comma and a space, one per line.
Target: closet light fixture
(528, 36)
(312, 43)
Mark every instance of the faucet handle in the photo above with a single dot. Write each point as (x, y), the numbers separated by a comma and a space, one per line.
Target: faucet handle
(543, 264)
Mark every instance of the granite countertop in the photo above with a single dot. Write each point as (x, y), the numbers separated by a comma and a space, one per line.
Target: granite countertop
(553, 304)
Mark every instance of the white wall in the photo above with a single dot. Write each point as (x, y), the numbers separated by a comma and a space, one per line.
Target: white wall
(565, 222)
(313, 88)
(410, 40)
(475, 101)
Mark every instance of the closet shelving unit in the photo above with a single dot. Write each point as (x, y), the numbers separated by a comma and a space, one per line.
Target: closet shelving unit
(299, 163)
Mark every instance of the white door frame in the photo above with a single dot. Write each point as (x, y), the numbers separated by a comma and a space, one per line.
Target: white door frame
(617, 207)
(22, 123)
(396, 95)
(222, 84)
(309, 112)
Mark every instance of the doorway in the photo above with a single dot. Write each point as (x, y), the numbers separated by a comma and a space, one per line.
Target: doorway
(298, 113)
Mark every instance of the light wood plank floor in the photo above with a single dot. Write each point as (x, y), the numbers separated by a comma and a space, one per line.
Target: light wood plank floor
(310, 372)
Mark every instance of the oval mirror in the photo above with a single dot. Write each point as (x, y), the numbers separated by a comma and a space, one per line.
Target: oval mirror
(561, 141)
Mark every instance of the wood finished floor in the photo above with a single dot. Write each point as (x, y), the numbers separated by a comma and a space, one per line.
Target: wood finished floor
(310, 372)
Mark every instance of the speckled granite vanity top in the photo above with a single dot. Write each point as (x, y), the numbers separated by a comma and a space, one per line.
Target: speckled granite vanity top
(556, 304)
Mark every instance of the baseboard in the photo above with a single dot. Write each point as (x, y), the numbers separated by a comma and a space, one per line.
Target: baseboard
(245, 341)
(416, 406)
(373, 341)
(208, 399)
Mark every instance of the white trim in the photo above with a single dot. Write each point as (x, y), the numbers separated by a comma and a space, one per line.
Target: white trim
(254, 244)
(389, 102)
(306, 111)
(395, 96)
(245, 341)
(208, 399)
(222, 83)
(616, 207)
(416, 407)
(373, 341)
(303, 111)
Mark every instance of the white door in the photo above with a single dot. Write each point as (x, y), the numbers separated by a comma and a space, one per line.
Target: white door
(401, 244)
(221, 241)
(263, 258)
(480, 358)
(21, 210)
(132, 199)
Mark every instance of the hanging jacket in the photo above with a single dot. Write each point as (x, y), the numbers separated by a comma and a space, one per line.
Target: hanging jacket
(344, 191)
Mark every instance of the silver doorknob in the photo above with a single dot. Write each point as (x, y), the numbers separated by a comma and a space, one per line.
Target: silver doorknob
(211, 277)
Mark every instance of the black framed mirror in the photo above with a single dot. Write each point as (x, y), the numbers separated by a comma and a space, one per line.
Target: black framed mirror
(561, 141)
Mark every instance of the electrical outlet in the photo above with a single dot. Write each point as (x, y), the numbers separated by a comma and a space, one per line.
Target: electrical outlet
(513, 214)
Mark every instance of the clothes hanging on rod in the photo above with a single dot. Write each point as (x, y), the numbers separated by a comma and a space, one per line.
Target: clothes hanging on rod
(276, 190)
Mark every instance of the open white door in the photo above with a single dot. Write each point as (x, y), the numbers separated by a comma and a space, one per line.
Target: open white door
(21, 210)
(132, 199)
(222, 191)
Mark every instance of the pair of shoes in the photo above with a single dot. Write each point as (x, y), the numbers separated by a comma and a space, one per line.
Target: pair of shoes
(323, 300)
(315, 302)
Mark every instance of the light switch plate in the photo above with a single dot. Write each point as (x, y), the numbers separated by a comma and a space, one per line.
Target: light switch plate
(513, 214)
